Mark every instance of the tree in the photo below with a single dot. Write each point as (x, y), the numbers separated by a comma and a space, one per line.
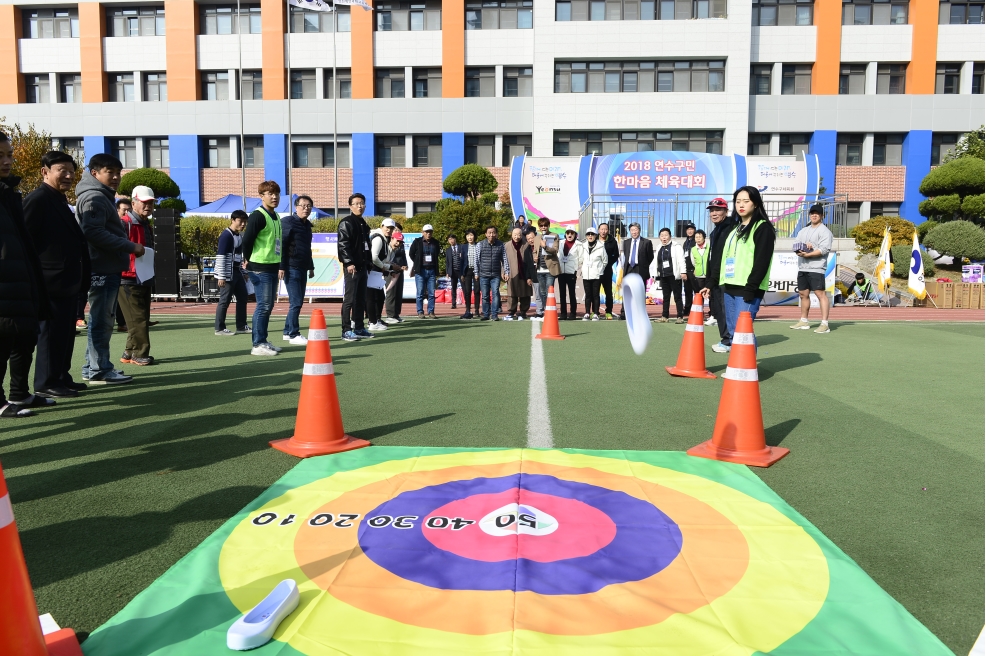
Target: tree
(949, 186)
(869, 234)
(469, 181)
(972, 144)
(959, 239)
(159, 181)
(29, 146)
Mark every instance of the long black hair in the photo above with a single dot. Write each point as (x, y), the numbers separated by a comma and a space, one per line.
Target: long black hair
(759, 213)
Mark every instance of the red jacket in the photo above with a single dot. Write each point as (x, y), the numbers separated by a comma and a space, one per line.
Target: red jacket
(139, 233)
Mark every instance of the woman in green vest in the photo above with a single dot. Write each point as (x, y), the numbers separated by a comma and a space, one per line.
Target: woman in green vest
(698, 262)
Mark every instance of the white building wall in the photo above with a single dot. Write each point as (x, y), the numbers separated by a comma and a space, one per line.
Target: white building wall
(315, 50)
(129, 53)
(499, 47)
(222, 51)
(395, 49)
(876, 43)
(961, 43)
(787, 44)
(49, 55)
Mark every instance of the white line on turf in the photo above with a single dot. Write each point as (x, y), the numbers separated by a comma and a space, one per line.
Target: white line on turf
(538, 414)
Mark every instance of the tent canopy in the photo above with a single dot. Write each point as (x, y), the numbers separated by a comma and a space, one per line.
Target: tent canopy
(225, 206)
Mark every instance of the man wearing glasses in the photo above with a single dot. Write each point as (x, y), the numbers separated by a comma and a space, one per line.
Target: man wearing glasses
(354, 254)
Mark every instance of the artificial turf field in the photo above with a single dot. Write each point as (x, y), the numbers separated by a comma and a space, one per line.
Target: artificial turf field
(884, 422)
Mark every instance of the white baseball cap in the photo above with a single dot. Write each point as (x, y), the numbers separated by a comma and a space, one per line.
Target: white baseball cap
(591, 231)
(142, 193)
(427, 228)
(388, 223)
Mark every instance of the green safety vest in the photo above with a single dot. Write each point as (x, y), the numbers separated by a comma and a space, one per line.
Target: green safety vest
(700, 260)
(267, 247)
(741, 252)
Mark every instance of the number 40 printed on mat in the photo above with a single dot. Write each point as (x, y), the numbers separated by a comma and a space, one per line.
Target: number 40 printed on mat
(346, 520)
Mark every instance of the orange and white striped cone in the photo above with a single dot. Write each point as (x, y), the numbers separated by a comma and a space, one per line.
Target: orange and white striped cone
(691, 357)
(738, 435)
(20, 629)
(549, 327)
(318, 427)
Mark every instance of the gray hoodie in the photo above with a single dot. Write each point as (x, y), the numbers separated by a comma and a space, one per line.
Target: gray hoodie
(109, 247)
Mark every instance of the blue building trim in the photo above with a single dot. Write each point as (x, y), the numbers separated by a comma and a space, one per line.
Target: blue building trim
(95, 146)
(186, 163)
(811, 169)
(364, 169)
(824, 143)
(516, 192)
(275, 161)
(453, 153)
(916, 156)
(740, 162)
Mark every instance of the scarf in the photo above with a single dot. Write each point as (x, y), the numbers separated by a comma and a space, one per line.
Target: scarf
(568, 246)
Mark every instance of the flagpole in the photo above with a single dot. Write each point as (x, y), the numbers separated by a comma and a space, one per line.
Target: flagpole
(239, 92)
(290, 145)
(335, 122)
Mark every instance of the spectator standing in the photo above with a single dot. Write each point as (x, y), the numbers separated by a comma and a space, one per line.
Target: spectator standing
(424, 262)
(689, 243)
(669, 268)
(123, 206)
(638, 253)
(548, 265)
(594, 262)
(135, 294)
(816, 243)
(520, 284)
(109, 255)
(698, 263)
(230, 276)
(64, 255)
(612, 257)
(394, 294)
(570, 261)
(491, 267)
(453, 266)
(722, 224)
(263, 243)
(297, 265)
(354, 253)
(470, 277)
(379, 262)
(523, 224)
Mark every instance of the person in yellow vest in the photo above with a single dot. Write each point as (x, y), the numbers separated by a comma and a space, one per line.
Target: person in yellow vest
(743, 270)
(262, 253)
(698, 263)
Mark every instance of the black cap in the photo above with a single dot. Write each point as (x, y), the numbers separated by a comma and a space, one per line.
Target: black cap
(816, 209)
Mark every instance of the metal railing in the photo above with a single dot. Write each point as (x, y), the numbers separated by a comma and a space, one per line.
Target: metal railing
(676, 212)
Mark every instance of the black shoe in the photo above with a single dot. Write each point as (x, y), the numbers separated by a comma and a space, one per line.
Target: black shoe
(484, 318)
(34, 401)
(56, 393)
(78, 387)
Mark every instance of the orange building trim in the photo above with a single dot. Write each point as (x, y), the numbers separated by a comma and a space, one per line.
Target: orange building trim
(274, 20)
(828, 48)
(182, 27)
(361, 37)
(12, 89)
(454, 49)
(92, 30)
(924, 46)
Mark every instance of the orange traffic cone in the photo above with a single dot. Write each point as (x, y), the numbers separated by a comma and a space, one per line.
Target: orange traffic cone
(738, 435)
(549, 327)
(691, 357)
(20, 629)
(318, 427)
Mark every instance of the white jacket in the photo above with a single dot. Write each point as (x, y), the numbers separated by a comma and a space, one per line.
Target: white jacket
(573, 262)
(677, 260)
(594, 262)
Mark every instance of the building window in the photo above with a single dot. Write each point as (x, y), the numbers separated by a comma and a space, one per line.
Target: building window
(215, 85)
(390, 152)
(783, 12)
(73, 147)
(852, 79)
(416, 16)
(38, 88)
(389, 83)
(794, 144)
(51, 23)
(609, 143)
(70, 86)
(645, 76)
(890, 78)
(518, 81)
(253, 152)
(850, 149)
(887, 149)
(121, 87)
(947, 77)
(428, 150)
(155, 87)
(515, 145)
(157, 156)
(960, 12)
(942, 143)
(479, 149)
(582, 10)
(424, 208)
(217, 153)
(253, 85)
(977, 77)
(760, 79)
(427, 82)
(877, 12)
(221, 19)
(135, 21)
(796, 79)
(125, 150)
(884, 209)
(303, 20)
(345, 85)
(502, 15)
(391, 209)
(303, 84)
(758, 145)
(481, 82)
(320, 155)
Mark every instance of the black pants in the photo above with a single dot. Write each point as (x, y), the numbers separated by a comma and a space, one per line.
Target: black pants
(55, 344)
(18, 349)
(566, 292)
(453, 285)
(80, 309)
(641, 271)
(697, 284)
(353, 300)
(234, 288)
(121, 320)
(592, 295)
(375, 299)
(718, 306)
(470, 292)
(607, 285)
(672, 286)
(395, 296)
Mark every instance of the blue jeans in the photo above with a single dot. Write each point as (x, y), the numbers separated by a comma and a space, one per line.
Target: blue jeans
(425, 280)
(489, 291)
(545, 280)
(265, 289)
(735, 305)
(295, 280)
(103, 291)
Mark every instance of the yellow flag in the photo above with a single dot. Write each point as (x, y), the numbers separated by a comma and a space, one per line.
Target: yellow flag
(885, 262)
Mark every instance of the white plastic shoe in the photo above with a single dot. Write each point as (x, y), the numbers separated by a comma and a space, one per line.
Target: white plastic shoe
(257, 627)
(262, 349)
(298, 340)
(711, 321)
(389, 321)
(377, 327)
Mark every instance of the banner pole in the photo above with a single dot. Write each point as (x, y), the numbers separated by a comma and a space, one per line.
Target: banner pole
(290, 145)
(335, 122)
(239, 92)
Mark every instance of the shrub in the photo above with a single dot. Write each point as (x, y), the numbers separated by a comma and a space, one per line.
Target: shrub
(902, 261)
(971, 144)
(959, 239)
(923, 229)
(948, 187)
(325, 225)
(945, 207)
(469, 181)
(973, 207)
(159, 181)
(176, 204)
(198, 236)
(869, 234)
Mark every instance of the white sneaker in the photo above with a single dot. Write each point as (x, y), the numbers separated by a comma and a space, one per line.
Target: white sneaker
(711, 321)
(508, 318)
(520, 317)
(585, 317)
(801, 325)
(823, 328)
(389, 321)
(374, 327)
(286, 338)
(262, 349)
(299, 340)
(536, 318)
(721, 348)
(595, 317)
(276, 349)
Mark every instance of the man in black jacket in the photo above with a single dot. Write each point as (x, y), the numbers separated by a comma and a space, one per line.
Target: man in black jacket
(612, 257)
(424, 259)
(354, 253)
(297, 265)
(64, 255)
(722, 225)
(453, 265)
(638, 253)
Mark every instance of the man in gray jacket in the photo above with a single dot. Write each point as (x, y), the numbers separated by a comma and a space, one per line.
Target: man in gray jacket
(109, 254)
(812, 245)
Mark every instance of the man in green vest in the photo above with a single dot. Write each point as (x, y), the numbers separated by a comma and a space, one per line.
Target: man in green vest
(262, 252)
(698, 262)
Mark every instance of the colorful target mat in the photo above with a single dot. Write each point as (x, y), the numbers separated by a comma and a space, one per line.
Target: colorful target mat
(423, 551)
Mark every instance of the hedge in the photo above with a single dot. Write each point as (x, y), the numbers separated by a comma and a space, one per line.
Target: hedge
(470, 181)
(964, 176)
(902, 261)
(869, 234)
(159, 181)
(958, 239)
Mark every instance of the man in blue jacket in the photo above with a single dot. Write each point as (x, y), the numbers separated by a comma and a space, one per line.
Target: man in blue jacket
(296, 264)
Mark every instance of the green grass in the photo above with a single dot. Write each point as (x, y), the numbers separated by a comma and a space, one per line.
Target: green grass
(112, 488)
